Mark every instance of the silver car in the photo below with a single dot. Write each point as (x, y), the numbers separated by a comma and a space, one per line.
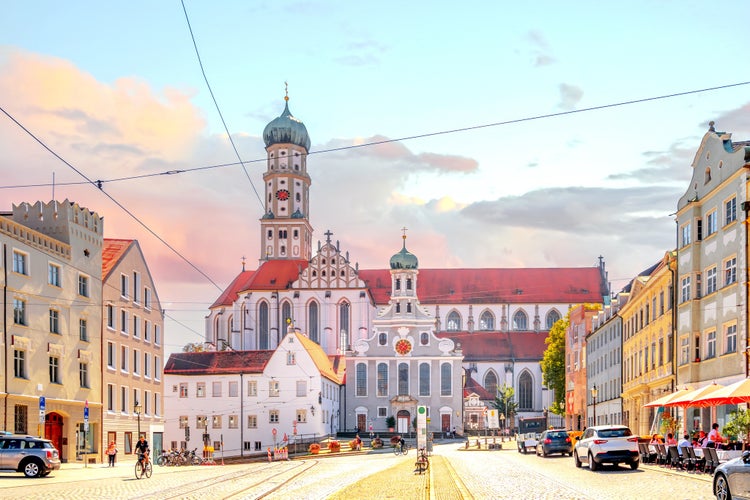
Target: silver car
(732, 478)
(35, 457)
(611, 444)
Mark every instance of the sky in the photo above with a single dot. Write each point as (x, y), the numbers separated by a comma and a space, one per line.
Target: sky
(495, 157)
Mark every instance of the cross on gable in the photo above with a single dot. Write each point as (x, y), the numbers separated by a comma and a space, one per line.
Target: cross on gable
(328, 236)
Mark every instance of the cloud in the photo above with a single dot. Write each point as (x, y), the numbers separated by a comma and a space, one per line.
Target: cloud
(570, 96)
(670, 167)
(540, 51)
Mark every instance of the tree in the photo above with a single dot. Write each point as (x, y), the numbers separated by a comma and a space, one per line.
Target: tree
(553, 364)
(504, 403)
(193, 347)
(738, 425)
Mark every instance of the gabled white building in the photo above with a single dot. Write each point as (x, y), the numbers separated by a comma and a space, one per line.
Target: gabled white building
(242, 397)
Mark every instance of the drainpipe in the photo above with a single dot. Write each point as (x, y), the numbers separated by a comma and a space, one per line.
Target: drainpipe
(5, 329)
(242, 417)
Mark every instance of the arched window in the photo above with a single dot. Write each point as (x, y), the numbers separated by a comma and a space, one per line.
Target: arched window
(424, 379)
(344, 324)
(520, 321)
(398, 283)
(490, 382)
(403, 379)
(263, 326)
(525, 392)
(312, 322)
(424, 338)
(382, 379)
(408, 283)
(286, 313)
(453, 322)
(487, 321)
(361, 384)
(552, 318)
(446, 385)
(382, 338)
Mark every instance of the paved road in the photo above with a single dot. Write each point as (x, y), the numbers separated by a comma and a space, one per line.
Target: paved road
(456, 473)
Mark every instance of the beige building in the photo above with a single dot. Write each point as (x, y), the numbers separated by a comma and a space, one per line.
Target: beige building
(648, 345)
(132, 349)
(51, 328)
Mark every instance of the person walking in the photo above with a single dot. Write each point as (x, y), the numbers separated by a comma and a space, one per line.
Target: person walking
(111, 453)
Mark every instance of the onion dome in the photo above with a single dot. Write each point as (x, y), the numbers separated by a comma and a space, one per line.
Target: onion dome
(404, 259)
(286, 129)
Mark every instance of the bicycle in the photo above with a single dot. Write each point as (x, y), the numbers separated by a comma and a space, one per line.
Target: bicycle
(142, 467)
(422, 463)
(401, 449)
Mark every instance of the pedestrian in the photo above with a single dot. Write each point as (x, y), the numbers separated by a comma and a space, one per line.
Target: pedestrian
(111, 453)
(453, 433)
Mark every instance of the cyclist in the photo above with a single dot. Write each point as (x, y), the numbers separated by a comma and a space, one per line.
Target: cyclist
(402, 443)
(142, 448)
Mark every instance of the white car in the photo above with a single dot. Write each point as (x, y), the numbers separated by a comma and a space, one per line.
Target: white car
(610, 444)
(527, 442)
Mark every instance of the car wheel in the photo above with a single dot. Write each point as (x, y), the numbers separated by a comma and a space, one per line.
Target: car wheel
(32, 468)
(634, 465)
(721, 488)
(592, 465)
(578, 460)
(544, 453)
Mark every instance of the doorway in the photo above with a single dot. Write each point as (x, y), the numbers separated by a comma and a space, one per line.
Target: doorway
(361, 422)
(402, 423)
(53, 430)
(445, 423)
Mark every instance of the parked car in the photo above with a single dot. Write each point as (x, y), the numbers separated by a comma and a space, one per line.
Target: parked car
(33, 456)
(732, 478)
(526, 441)
(554, 441)
(611, 444)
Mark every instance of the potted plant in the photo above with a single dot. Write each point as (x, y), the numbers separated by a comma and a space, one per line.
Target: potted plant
(376, 443)
(334, 446)
(390, 422)
(314, 448)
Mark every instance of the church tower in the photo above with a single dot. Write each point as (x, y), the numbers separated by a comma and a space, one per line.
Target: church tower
(286, 232)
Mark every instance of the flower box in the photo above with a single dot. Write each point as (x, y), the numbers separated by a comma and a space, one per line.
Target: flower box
(334, 446)
(314, 448)
(376, 443)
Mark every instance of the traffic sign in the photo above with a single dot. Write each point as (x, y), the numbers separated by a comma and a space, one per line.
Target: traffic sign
(42, 403)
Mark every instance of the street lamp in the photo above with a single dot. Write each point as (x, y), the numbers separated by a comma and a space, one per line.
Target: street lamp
(546, 417)
(594, 393)
(138, 409)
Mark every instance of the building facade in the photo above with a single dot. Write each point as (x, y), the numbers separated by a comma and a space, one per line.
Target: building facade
(579, 326)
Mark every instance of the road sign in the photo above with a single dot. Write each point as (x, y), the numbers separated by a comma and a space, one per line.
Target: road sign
(42, 403)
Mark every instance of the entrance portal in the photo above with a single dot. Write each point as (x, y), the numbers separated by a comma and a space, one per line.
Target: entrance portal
(53, 430)
(402, 421)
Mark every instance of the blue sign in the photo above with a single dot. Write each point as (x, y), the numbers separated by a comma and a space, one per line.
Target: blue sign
(86, 414)
(42, 403)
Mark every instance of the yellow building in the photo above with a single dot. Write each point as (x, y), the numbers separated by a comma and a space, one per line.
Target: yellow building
(648, 352)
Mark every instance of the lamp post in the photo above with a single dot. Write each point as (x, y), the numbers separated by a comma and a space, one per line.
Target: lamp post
(546, 417)
(502, 426)
(137, 409)
(594, 393)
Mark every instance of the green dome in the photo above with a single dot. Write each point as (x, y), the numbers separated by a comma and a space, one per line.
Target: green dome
(286, 129)
(404, 259)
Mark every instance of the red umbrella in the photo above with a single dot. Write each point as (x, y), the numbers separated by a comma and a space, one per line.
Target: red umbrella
(690, 398)
(733, 394)
(662, 401)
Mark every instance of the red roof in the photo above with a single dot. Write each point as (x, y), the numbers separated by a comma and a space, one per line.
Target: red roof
(112, 252)
(217, 362)
(475, 387)
(573, 285)
(271, 275)
(491, 346)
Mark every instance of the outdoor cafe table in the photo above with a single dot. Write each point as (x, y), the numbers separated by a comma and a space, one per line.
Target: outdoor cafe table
(724, 455)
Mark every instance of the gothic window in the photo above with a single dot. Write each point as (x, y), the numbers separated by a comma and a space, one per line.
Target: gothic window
(453, 322)
(445, 379)
(525, 392)
(403, 379)
(344, 323)
(382, 379)
(312, 322)
(263, 326)
(424, 379)
(552, 318)
(487, 321)
(520, 321)
(286, 314)
(490, 382)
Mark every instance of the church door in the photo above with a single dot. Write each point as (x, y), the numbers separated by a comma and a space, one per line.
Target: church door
(403, 421)
(361, 422)
(445, 422)
(53, 430)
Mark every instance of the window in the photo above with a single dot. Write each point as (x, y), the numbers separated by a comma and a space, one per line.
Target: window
(54, 370)
(685, 230)
(216, 421)
(19, 363)
(290, 358)
(201, 422)
(361, 384)
(136, 361)
(711, 344)
(83, 285)
(520, 321)
(146, 365)
(123, 399)
(453, 322)
(486, 321)
(83, 331)
(147, 298)
(684, 351)
(146, 330)
(233, 422)
(552, 318)
(408, 283)
(711, 223)
(730, 211)
(730, 271)
(273, 388)
(124, 285)
(53, 275)
(110, 316)
(233, 389)
(490, 382)
(699, 229)
(110, 397)
(111, 355)
(252, 421)
(730, 336)
(301, 388)
(54, 321)
(124, 358)
(711, 280)
(21, 414)
(136, 327)
(525, 391)
(273, 416)
(200, 390)
(123, 321)
(424, 338)
(312, 321)
(446, 385)
(183, 421)
(216, 389)
(685, 289)
(128, 443)
(301, 416)
(157, 368)
(403, 379)
(424, 379)
(136, 285)
(382, 338)
(252, 388)
(83, 375)
(382, 379)
(157, 335)
(183, 390)
(20, 262)
(19, 312)
(344, 314)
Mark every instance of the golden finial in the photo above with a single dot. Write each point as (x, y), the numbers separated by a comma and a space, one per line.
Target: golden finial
(403, 230)
(286, 91)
